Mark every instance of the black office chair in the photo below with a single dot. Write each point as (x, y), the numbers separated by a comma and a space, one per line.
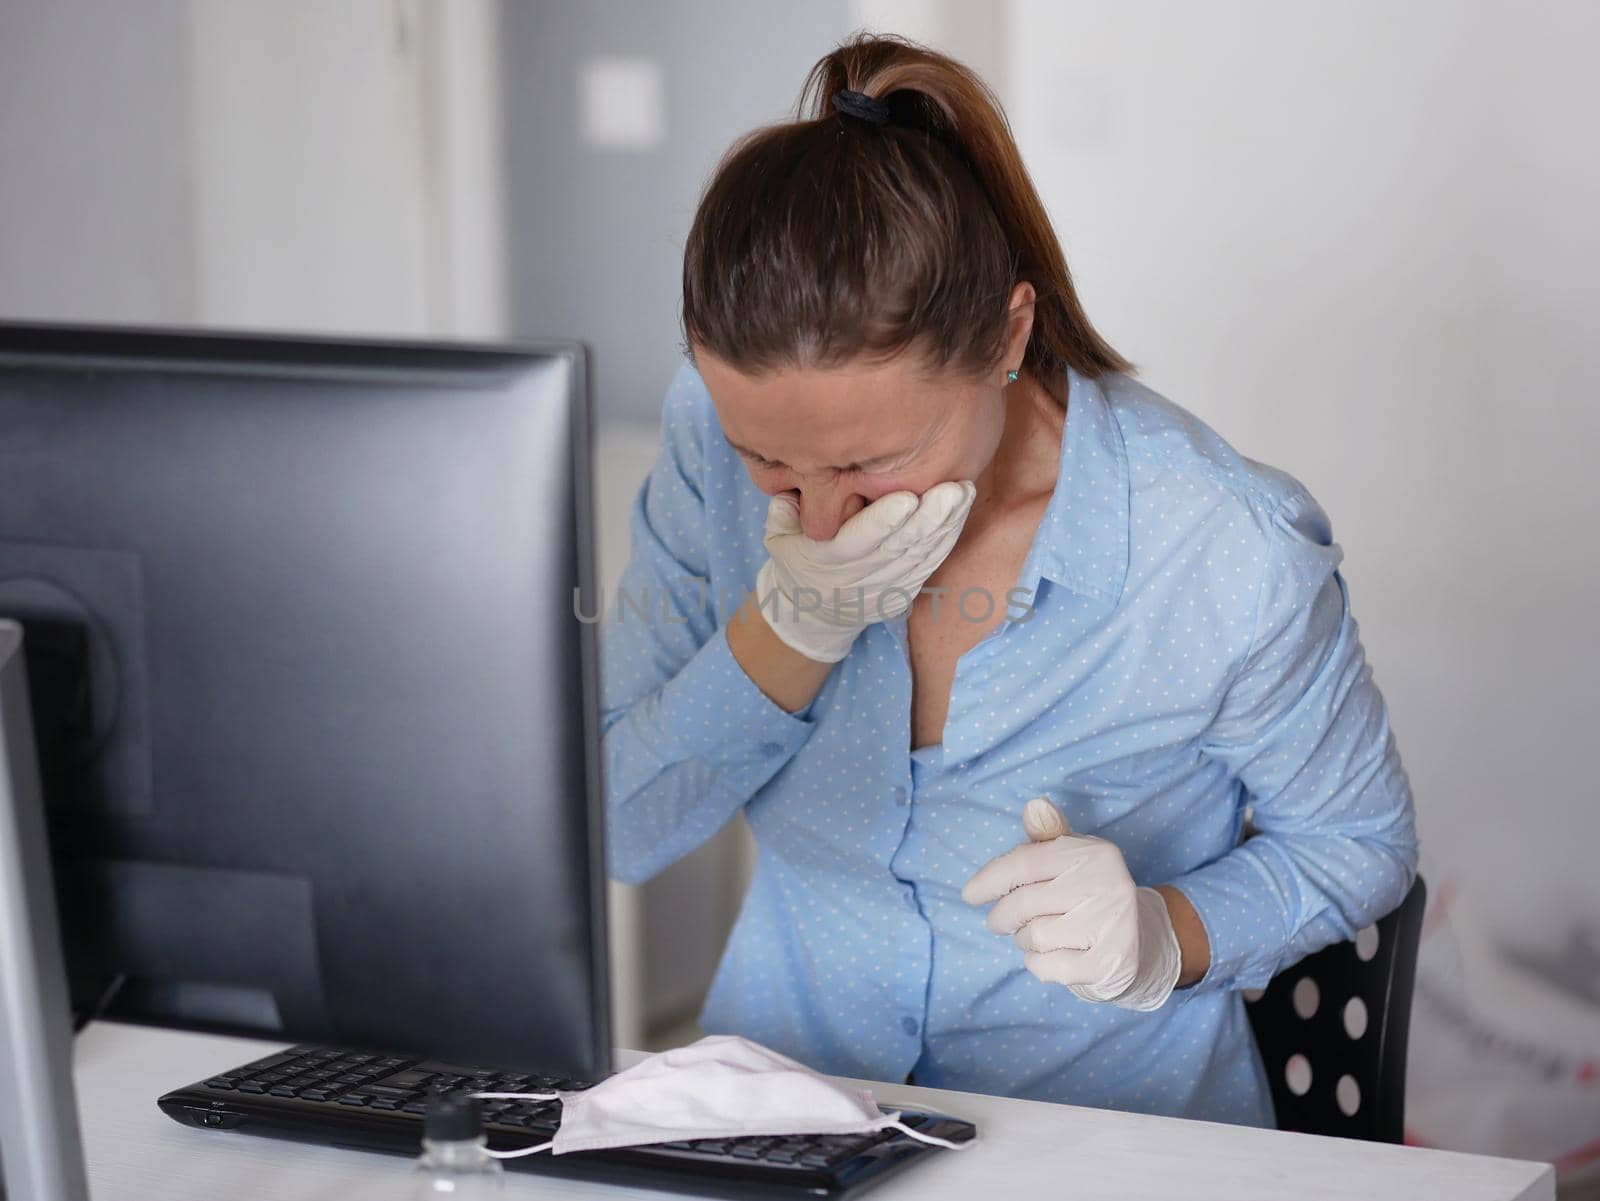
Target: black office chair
(1332, 1030)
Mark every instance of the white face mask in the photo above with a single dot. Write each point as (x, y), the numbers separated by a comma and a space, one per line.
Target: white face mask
(720, 1087)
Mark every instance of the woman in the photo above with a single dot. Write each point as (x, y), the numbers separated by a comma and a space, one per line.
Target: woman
(988, 566)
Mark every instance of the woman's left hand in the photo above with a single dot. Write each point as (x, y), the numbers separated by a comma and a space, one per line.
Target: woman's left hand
(1070, 904)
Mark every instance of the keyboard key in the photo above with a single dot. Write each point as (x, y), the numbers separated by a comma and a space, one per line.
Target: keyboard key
(226, 1082)
(252, 1086)
(317, 1094)
(384, 1103)
(415, 1107)
(266, 1065)
(385, 1090)
(350, 1078)
(282, 1090)
(407, 1079)
(745, 1151)
(838, 1147)
(354, 1099)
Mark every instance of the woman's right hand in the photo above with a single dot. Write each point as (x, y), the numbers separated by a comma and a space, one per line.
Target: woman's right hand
(819, 596)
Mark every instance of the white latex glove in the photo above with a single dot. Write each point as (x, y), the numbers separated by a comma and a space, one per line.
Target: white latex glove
(1070, 904)
(819, 596)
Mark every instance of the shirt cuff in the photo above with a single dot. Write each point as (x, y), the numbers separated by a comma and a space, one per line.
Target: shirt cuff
(720, 713)
(1244, 919)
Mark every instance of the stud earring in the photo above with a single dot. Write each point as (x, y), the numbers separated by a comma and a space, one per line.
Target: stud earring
(1011, 377)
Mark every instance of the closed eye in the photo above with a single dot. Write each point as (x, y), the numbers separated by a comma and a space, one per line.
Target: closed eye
(877, 467)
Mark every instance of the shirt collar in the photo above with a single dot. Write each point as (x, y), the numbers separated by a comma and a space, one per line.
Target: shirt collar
(1082, 541)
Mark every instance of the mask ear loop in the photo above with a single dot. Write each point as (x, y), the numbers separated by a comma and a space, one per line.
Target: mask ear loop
(897, 1124)
(519, 1152)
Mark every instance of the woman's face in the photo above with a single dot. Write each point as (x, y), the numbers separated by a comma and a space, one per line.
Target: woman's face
(843, 437)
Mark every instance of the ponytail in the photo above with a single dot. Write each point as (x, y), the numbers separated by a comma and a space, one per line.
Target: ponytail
(831, 238)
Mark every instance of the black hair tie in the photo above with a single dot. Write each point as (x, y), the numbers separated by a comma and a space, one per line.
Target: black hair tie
(861, 106)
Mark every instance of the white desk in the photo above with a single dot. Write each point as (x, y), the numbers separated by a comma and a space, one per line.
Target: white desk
(1026, 1149)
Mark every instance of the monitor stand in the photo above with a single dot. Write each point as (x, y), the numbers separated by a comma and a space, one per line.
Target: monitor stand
(41, 1154)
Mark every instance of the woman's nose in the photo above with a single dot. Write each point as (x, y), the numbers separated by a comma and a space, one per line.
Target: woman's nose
(823, 511)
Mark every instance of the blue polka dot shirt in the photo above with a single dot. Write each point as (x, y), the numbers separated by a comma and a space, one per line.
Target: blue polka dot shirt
(1188, 655)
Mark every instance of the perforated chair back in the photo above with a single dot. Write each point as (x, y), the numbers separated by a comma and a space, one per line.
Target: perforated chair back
(1332, 1030)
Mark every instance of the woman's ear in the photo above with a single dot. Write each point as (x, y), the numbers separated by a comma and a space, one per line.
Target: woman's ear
(1019, 324)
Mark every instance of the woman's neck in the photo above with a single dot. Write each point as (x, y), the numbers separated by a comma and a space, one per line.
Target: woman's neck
(1027, 462)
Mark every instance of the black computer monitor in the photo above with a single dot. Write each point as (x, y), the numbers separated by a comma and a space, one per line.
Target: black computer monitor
(316, 719)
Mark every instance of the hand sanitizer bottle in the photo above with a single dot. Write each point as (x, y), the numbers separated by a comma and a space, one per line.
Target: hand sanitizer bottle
(455, 1162)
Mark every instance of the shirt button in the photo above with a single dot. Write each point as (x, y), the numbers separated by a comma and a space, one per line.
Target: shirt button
(771, 749)
(900, 796)
(909, 1025)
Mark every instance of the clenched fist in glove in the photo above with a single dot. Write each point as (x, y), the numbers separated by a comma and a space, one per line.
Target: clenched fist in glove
(1072, 907)
(819, 596)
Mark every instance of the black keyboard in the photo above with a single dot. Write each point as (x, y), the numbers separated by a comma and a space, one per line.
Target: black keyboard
(375, 1102)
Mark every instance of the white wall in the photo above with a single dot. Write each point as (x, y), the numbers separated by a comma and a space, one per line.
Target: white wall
(272, 164)
(350, 168)
(96, 205)
(305, 175)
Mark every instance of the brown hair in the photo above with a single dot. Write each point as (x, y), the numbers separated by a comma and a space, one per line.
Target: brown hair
(829, 237)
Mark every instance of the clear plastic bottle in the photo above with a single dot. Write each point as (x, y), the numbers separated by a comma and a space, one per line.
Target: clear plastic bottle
(455, 1161)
